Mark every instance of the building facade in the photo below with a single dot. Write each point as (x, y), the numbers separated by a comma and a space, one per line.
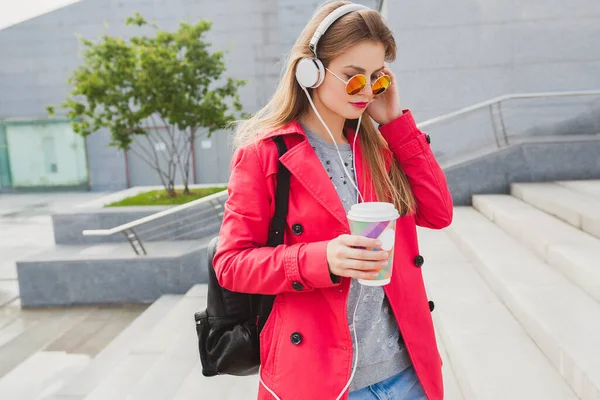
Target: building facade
(450, 54)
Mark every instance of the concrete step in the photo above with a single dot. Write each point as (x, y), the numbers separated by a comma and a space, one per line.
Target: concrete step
(170, 370)
(111, 273)
(9, 291)
(573, 252)
(15, 327)
(196, 386)
(578, 209)
(160, 337)
(117, 350)
(452, 390)
(177, 361)
(589, 187)
(110, 322)
(118, 382)
(491, 354)
(159, 344)
(560, 317)
(41, 375)
(177, 373)
(36, 336)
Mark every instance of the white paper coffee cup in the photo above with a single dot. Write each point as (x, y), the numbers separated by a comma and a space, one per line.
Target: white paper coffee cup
(376, 220)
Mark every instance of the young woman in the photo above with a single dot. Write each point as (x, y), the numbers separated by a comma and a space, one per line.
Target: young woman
(326, 337)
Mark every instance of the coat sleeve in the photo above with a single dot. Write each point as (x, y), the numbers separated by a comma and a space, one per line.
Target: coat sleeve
(411, 149)
(243, 263)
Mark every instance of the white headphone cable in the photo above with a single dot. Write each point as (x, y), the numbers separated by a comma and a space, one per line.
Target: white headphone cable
(336, 147)
(354, 158)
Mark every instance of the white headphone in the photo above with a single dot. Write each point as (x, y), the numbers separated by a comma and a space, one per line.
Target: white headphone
(310, 72)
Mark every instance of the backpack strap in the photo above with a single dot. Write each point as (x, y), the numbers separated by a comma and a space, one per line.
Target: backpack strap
(277, 229)
(282, 196)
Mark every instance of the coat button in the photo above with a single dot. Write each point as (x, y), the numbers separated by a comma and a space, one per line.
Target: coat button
(297, 229)
(419, 260)
(431, 306)
(297, 286)
(428, 138)
(296, 338)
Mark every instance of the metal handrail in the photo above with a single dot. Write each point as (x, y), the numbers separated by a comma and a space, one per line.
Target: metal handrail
(153, 217)
(498, 100)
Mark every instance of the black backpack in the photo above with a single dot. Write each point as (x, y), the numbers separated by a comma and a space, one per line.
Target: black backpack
(228, 330)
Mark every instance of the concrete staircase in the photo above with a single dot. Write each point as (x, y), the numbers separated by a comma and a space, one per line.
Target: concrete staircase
(516, 282)
(156, 357)
(41, 374)
(517, 292)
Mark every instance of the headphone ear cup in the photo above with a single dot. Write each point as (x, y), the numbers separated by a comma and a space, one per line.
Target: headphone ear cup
(310, 72)
(321, 68)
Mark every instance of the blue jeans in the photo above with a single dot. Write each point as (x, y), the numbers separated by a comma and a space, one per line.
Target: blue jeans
(404, 386)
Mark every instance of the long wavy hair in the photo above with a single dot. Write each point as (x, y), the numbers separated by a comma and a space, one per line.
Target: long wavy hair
(289, 101)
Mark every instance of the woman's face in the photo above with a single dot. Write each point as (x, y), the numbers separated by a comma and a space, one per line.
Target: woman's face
(365, 58)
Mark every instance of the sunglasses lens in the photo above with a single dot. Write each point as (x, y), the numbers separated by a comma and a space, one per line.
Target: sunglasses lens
(356, 84)
(381, 84)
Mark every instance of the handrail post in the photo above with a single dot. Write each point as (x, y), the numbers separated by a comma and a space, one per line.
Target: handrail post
(493, 121)
(504, 135)
(135, 242)
(216, 207)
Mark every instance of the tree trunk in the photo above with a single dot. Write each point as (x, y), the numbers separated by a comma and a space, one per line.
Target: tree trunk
(171, 189)
(188, 154)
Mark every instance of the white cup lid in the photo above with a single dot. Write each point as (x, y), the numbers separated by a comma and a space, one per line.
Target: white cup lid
(373, 211)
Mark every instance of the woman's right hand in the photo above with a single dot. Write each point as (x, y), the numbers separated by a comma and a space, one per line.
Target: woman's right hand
(352, 256)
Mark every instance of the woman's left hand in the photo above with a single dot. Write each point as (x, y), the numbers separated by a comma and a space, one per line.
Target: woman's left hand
(386, 107)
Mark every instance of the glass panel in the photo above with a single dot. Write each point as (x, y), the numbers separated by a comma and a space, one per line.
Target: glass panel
(47, 154)
(5, 180)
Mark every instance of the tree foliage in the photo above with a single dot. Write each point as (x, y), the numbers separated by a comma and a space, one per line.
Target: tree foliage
(167, 88)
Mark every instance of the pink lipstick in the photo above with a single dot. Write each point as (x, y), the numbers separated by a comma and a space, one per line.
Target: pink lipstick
(360, 105)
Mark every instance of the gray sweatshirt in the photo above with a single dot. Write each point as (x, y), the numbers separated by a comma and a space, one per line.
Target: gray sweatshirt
(381, 350)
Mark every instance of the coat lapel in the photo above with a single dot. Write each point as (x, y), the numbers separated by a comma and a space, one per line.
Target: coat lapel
(303, 163)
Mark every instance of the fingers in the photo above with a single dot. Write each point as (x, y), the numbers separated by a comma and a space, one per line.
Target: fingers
(362, 265)
(356, 256)
(365, 254)
(359, 241)
(351, 273)
(389, 72)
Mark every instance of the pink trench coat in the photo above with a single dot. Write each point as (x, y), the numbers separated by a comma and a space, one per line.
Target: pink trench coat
(306, 345)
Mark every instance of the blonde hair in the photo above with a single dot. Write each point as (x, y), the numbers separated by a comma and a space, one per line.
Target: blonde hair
(289, 102)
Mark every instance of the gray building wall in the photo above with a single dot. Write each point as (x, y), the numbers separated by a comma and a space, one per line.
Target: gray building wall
(451, 54)
(456, 53)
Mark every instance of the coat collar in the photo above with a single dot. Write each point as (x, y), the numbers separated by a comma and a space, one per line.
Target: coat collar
(290, 128)
(303, 163)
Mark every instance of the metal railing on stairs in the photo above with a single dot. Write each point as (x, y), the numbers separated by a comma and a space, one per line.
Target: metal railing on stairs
(188, 220)
(513, 118)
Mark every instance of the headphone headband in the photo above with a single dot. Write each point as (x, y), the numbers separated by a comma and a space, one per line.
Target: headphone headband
(329, 20)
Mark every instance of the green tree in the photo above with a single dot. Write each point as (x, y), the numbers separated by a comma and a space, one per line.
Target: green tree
(167, 88)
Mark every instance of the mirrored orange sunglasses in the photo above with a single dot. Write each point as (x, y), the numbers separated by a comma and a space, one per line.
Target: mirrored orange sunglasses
(357, 83)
